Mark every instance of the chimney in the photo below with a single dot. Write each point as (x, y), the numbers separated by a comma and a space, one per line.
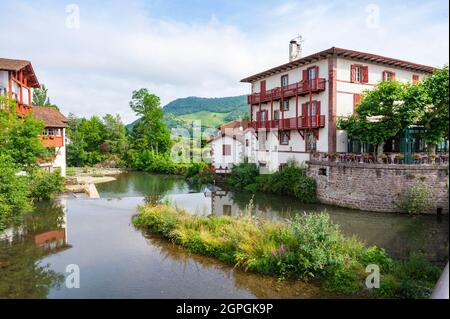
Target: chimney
(295, 48)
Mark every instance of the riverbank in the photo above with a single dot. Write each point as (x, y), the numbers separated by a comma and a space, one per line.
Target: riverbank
(310, 246)
(83, 180)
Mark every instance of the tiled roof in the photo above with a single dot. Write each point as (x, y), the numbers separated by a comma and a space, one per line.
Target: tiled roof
(50, 115)
(344, 53)
(16, 65)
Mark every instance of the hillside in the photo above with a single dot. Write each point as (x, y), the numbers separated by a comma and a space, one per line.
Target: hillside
(212, 112)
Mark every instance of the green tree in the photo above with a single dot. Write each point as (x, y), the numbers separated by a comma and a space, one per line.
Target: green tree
(115, 134)
(381, 114)
(150, 133)
(436, 113)
(19, 139)
(40, 97)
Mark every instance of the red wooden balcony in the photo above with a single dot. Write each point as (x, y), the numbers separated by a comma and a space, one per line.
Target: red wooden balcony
(300, 88)
(304, 122)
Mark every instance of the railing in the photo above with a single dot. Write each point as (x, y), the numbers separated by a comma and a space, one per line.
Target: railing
(303, 122)
(370, 158)
(299, 88)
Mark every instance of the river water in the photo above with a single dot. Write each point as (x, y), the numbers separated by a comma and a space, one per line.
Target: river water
(115, 260)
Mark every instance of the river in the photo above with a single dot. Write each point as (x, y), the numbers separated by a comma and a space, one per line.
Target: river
(115, 260)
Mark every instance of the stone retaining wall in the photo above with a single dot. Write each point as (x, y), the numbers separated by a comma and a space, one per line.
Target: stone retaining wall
(377, 187)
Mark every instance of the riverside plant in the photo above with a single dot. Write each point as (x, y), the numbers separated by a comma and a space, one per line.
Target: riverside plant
(308, 247)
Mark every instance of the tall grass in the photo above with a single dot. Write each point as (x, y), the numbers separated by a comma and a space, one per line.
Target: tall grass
(310, 246)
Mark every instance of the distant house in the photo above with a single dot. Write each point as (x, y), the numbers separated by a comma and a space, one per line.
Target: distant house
(54, 136)
(17, 80)
(228, 146)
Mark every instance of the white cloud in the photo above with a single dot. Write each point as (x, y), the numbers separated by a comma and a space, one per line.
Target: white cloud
(94, 69)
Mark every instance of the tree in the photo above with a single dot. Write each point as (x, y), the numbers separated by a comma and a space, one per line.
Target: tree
(115, 134)
(150, 133)
(381, 114)
(40, 97)
(436, 112)
(19, 139)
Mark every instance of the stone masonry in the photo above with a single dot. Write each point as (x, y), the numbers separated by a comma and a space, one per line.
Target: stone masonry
(377, 187)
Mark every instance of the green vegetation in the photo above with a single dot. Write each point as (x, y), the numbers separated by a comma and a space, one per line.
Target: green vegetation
(208, 119)
(392, 107)
(290, 180)
(199, 174)
(417, 200)
(212, 111)
(95, 140)
(21, 181)
(310, 246)
(40, 97)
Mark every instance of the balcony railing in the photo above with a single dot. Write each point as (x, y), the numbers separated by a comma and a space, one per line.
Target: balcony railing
(300, 88)
(303, 122)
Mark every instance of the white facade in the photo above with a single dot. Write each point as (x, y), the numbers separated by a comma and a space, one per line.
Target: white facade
(226, 151)
(339, 89)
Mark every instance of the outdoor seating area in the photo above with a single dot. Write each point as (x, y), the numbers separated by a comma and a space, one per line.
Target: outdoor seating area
(385, 158)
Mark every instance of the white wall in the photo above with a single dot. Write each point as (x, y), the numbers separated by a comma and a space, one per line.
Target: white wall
(227, 161)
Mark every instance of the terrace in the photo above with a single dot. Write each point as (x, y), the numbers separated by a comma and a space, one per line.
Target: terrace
(300, 88)
(386, 158)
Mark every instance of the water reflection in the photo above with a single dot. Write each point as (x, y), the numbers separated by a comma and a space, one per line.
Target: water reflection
(41, 234)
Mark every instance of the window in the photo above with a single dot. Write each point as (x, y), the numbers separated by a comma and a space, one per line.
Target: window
(310, 141)
(415, 79)
(312, 73)
(246, 142)
(284, 80)
(388, 76)
(276, 115)
(58, 132)
(285, 105)
(226, 149)
(226, 210)
(359, 74)
(284, 137)
(48, 131)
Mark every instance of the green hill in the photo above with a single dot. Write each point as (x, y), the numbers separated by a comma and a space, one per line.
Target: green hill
(212, 112)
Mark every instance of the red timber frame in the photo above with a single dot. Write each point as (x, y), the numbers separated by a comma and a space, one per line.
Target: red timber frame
(22, 81)
(300, 123)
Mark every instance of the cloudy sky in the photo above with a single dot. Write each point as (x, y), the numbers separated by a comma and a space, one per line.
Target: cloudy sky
(91, 56)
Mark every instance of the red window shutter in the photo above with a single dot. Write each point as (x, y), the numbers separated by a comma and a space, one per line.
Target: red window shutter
(353, 73)
(415, 79)
(356, 101)
(305, 75)
(393, 76)
(263, 86)
(304, 114)
(317, 119)
(365, 74)
(384, 75)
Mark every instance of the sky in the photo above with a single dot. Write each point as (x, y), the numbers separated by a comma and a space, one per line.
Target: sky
(91, 55)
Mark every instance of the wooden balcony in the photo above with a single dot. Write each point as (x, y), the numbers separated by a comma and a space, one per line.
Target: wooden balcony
(300, 88)
(52, 141)
(292, 123)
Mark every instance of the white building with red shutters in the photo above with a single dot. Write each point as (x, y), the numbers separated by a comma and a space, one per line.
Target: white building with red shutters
(294, 107)
(17, 80)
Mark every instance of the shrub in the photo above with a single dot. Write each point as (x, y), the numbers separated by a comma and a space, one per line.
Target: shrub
(309, 246)
(44, 185)
(242, 175)
(417, 199)
(290, 180)
(14, 192)
(199, 174)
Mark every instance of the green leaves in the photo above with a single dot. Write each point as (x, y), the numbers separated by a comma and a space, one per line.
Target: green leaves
(393, 106)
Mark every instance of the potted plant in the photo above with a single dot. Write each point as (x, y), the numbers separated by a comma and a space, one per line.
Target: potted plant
(417, 157)
(383, 158)
(399, 157)
(432, 157)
